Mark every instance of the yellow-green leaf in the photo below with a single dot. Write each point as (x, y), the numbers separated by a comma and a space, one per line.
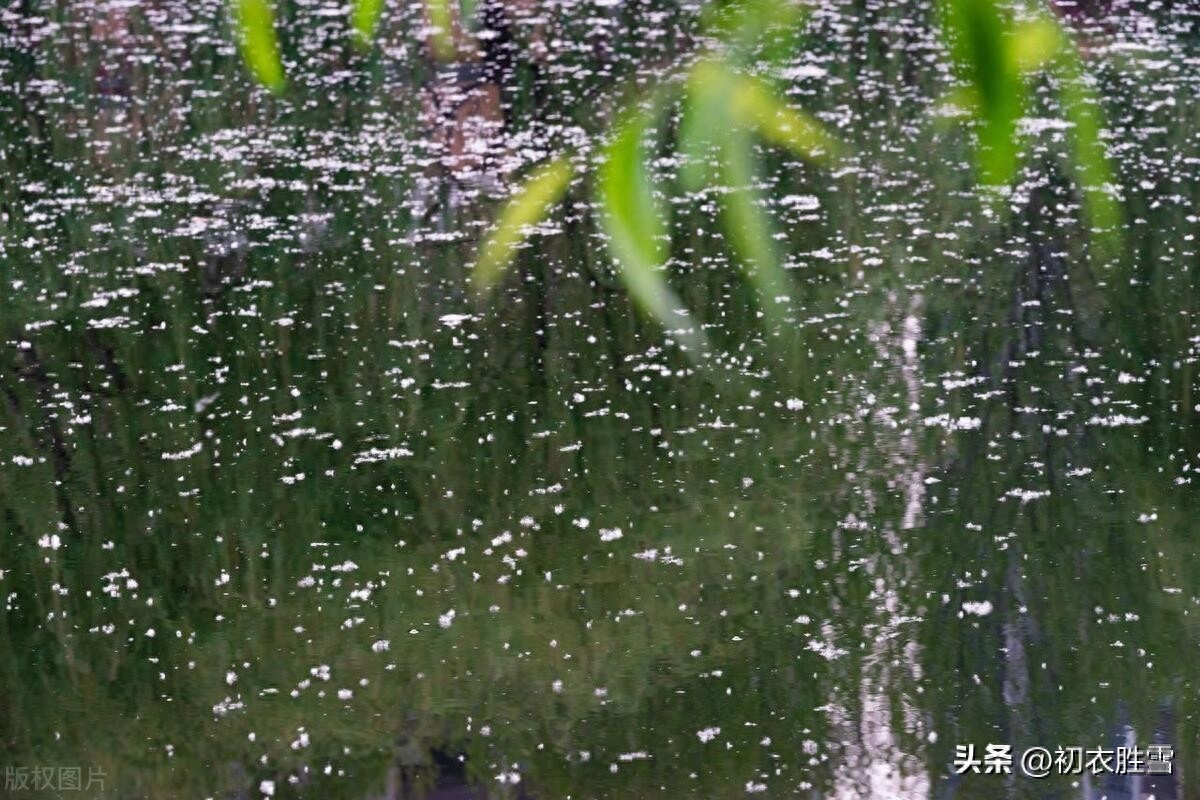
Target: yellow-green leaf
(748, 228)
(259, 45)
(978, 35)
(528, 205)
(719, 97)
(364, 20)
(1094, 172)
(441, 20)
(1036, 43)
(705, 112)
(636, 226)
(777, 122)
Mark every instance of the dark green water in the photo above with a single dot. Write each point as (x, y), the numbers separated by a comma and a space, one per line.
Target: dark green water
(283, 509)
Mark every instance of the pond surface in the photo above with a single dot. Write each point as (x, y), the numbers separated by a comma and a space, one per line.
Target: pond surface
(287, 513)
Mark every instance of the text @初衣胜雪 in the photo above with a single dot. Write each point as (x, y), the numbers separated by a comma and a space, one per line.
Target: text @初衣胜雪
(1041, 762)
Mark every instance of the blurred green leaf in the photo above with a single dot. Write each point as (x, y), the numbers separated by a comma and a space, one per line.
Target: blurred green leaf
(364, 19)
(1036, 43)
(260, 47)
(744, 25)
(528, 205)
(748, 227)
(719, 97)
(441, 20)
(705, 113)
(1094, 172)
(467, 10)
(636, 226)
(998, 57)
(725, 105)
(977, 34)
(777, 122)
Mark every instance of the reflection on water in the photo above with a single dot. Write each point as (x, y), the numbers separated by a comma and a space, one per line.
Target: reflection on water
(286, 514)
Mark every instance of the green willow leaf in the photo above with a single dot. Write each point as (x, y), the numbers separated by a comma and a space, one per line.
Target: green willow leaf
(978, 36)
(467, 10)
(750, 24)
(259, 45)
(748, 228)
(726, 105)
(719, 98)
(998, 58)
(636, 226)
(441, 20)
(778, 123)
(1036, 43)
(544, 188)
(364, 20)
(705, 112)
(1082, 107)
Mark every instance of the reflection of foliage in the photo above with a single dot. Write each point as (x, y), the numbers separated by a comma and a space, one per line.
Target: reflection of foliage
(283, 608)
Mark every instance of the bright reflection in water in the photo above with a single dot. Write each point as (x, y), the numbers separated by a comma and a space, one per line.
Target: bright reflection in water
(285, 512)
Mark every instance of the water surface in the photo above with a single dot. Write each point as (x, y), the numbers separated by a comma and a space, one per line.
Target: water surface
(286, 512)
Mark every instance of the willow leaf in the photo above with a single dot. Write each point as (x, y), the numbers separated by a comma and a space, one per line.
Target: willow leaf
(1036, 43)
(528, 205)
(441, 21)
(749, 229)
(750, 24)
(1094, 172)
(259, 45)
(636, 226)
(978, 35)
(467, 10)
(364, 20)
(777, 122)
(705, 112)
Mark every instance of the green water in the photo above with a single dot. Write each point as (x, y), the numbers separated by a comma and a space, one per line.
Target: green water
(284, 508)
